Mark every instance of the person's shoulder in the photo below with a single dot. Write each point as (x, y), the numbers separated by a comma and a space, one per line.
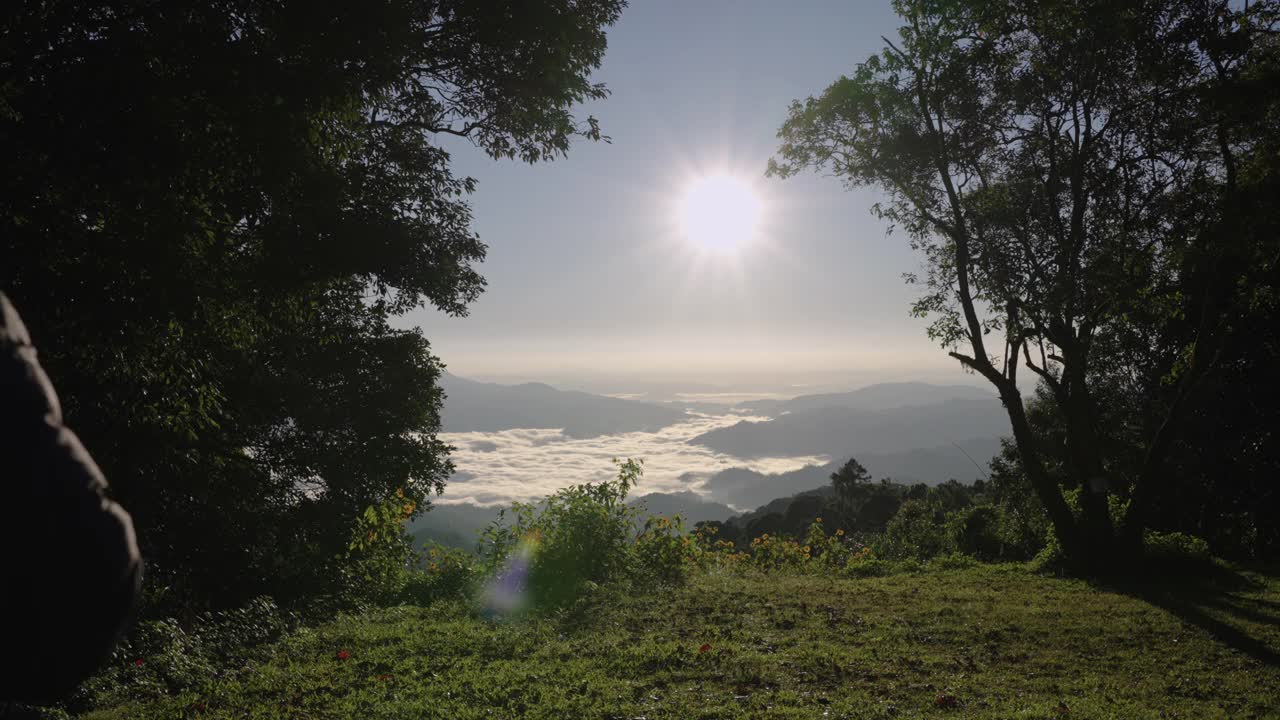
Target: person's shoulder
(12, 331)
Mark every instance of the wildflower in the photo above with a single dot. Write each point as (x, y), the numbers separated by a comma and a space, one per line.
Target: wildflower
(705, 647)
(343, 654)
(806, 549)
(765, 536)
(817, 520)
(839, 533)
(139, 662)
(385, 677)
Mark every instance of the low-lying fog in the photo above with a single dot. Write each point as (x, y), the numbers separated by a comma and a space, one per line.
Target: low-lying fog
(495, 468)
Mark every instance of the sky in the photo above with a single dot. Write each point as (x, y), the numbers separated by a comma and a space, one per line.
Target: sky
(592, 281)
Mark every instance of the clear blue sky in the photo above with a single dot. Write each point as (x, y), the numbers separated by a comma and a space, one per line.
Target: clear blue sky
(587, 272)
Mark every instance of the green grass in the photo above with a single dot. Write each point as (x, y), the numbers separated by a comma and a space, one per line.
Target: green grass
(988, 642)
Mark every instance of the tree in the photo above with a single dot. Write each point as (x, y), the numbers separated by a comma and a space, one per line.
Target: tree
(850, 483)
(211, 215)
(1071, 174)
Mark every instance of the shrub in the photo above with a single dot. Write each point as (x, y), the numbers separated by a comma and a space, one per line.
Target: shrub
(664, 551)
(866, 564)
(976, 531)
(440, 573)
(828, 552)
(952, 561)
(379, 551)
(771, 553)
(164, 656)
(1175, 546)
(912, 533)
(580, 534)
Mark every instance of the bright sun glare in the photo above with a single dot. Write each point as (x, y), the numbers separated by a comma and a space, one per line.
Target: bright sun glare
(719, 212)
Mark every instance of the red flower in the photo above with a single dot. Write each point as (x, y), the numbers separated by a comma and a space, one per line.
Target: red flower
(343, 654)
(704, 648)
(387, 676)
(139, 662)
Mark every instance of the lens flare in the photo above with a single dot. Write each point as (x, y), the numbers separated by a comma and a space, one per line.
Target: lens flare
(508, 592)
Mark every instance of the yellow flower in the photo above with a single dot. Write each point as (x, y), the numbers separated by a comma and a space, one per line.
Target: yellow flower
(839, 532)
(806, 549)
(765, 536)
(818, 520)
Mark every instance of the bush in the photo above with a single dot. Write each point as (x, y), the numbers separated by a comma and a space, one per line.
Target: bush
(868, 566)
(771, 553)
(664, 551)
(440, 573)
(828, 552)
(580, 534)
(976, 531)
(912, 533)
(1175, 546)
(952, 561)
(161, 657)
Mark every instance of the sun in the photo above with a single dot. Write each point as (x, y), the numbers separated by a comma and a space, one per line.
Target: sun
(719, 212)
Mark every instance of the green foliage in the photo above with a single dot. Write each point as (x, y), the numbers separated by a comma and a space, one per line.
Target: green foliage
(952, 561)
(210, 218)
(787, 646)
(665, 551)
(581, 534)
(1072, 175)
(379, 550)
(977, 531)
(772, 553)
(1175, 546)
(849, 481)
(163, 657)
(913, 533)
(440, 573)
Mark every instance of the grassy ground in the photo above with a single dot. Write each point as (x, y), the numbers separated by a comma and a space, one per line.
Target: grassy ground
(989, 642)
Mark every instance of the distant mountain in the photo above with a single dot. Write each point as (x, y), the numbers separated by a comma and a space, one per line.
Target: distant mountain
(744, 488)
(843, 431)
(883, 396)
(452, 525)
(690, 505)
(472, 406)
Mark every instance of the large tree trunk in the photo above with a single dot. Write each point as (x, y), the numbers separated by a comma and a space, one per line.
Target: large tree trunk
(1085, 465)
(1060, 515)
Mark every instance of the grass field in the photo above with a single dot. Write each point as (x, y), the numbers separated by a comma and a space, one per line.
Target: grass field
(987, 642)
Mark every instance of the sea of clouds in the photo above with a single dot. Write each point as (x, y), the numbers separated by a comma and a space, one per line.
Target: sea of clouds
(496, 468)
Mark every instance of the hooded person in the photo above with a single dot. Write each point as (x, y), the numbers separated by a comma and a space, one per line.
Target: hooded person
(71, 570)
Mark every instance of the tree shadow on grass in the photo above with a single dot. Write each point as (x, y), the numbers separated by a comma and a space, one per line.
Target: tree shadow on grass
(1222, 601)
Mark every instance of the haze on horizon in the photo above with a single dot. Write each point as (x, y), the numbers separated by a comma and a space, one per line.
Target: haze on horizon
(595, 280)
